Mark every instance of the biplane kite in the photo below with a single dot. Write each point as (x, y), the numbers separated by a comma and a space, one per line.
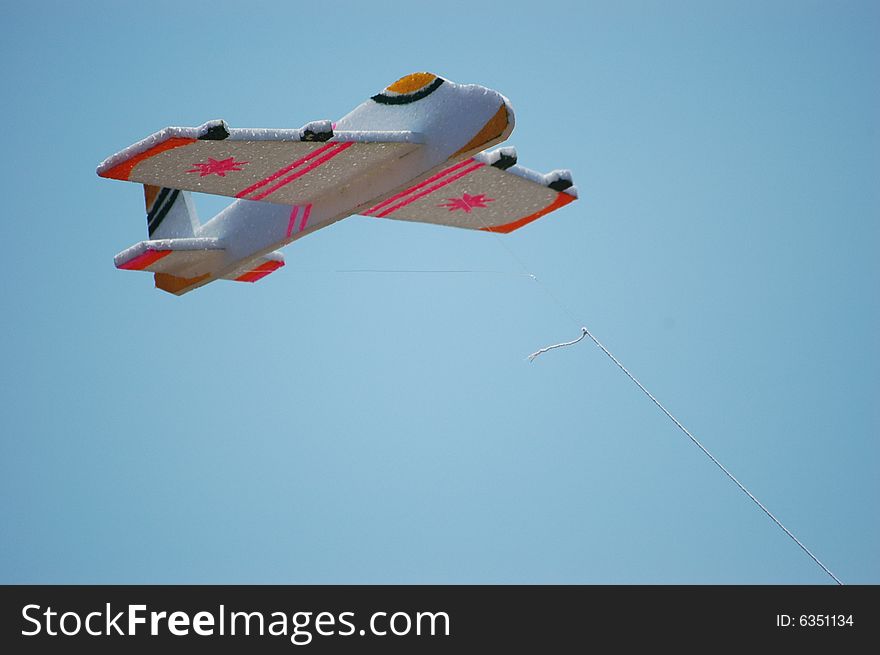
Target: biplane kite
(414, 152)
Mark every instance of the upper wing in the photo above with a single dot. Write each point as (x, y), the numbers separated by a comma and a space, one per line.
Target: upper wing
(485, 192)
(283, 166)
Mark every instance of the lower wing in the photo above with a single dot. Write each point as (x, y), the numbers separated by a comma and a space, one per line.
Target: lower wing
(486, 192)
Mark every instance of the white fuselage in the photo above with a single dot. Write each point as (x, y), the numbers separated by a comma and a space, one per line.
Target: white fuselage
(447, 120)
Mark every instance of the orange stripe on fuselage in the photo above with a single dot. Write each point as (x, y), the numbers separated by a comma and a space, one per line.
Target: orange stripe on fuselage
(561, 200)
(493, 129)
(123, 171)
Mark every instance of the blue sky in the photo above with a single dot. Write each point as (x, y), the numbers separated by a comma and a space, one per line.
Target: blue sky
(325, 427)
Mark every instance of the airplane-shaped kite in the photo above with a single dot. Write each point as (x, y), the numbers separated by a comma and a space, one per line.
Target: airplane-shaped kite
(414, 152)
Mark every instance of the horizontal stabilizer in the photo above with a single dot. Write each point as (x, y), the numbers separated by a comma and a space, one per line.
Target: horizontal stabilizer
(179, 256)
(180, 265)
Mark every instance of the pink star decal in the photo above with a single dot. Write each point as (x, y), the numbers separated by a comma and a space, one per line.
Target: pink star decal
(467, 202)
(217, 167)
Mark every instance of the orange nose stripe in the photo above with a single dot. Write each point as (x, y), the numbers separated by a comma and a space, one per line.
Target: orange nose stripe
(412, 82)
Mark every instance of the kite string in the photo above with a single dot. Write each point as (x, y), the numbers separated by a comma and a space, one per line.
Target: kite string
(586, 332)
(407, 271)
(435, 271)
(710, 455)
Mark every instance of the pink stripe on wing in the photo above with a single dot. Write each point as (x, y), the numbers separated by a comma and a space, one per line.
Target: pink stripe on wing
(284, 170)
(287, 180)
(433, 178)
(448, 180)
(292, 220)
(305, 218)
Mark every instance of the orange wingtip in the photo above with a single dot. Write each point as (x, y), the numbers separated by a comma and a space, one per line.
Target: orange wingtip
(561, 200)
(123, 171)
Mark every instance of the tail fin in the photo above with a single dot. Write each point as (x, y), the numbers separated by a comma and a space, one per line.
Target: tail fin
(170, 213)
